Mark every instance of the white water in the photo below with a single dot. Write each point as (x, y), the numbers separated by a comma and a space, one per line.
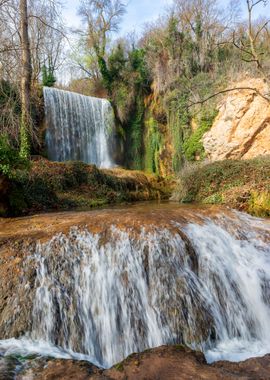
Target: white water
(109, 295)
(78, 127)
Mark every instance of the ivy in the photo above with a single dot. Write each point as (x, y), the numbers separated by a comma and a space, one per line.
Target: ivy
(193, 146)
(153, 142)
(10, 159)
(48, 78)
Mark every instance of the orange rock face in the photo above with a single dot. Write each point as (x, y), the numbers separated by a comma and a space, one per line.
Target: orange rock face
(242, 127)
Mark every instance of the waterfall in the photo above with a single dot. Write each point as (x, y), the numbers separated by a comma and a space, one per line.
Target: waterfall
(78, 127)
(204, 283)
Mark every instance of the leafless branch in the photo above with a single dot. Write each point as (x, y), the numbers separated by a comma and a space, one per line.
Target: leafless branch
(200, 102)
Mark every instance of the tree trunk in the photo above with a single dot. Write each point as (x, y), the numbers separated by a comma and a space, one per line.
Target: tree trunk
(26, 75)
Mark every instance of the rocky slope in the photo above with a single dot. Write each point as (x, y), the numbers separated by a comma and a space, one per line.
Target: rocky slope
(242, 127)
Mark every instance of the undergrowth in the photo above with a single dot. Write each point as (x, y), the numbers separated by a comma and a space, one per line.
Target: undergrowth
(241, 184)
(61, 186)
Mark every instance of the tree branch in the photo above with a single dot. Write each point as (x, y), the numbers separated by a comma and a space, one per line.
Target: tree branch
(230, 90)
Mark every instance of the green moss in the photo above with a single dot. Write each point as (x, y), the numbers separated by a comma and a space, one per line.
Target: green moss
(193, 146)
(135, 137)
(153, 141)
(72, 185)
(119, 367)
(178, 122)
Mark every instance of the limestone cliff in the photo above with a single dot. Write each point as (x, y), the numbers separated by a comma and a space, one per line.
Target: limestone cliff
(242, 127)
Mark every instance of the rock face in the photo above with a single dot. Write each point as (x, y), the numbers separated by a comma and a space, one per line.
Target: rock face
(242, 127)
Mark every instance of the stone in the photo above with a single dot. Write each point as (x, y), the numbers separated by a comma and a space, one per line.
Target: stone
(166, 362)
(242, 127)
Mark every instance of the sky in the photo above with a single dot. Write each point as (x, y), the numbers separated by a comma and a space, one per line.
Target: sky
(140, 12)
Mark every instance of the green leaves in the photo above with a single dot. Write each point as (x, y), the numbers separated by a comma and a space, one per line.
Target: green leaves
(10, 160)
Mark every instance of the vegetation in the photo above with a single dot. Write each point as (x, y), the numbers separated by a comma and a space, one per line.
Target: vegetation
(10, 160)
(164, 86)
(170, 73)
(240, 184)
(58, 186)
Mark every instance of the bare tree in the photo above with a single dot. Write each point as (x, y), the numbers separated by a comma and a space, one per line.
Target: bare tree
(102, 18)
(3, 2)
(29, 39)
(26, 76)
(249, 46)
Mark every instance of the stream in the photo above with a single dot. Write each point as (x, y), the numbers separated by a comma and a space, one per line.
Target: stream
(111, 282)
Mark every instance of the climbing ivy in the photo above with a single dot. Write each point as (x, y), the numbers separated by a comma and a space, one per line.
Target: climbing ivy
(178, 121)
(193, 146)
(48, 78)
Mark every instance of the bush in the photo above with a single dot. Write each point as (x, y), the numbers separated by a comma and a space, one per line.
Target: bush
(241, 184)
(10, 161)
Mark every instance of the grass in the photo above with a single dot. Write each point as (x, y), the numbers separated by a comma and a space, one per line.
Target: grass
(75, 185)
(240, 184)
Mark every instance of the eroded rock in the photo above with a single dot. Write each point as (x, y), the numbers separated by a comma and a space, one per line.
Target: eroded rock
(170, 363)
(242, 127)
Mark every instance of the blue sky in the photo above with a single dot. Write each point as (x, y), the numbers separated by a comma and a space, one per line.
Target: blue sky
(139, 12)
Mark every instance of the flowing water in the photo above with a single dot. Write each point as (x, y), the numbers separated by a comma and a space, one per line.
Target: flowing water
(78, 127)
(192, 277)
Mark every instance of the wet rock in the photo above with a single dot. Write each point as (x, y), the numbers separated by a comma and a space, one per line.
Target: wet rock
(163, 363)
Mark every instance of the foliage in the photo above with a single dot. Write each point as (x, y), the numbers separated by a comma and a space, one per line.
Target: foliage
(10, 160)
(135, 136)
(243, 184)
(193, 146)
(24, 141)
(48, 78)
(51, 185)
(178, 121)
(153, 141)
(259, 202)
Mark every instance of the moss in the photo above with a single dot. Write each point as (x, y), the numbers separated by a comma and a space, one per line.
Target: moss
(152, 143)
(119, 367)
(135, 136)
(259, 203)
(70, 185)
(179, 125)
(193, 146)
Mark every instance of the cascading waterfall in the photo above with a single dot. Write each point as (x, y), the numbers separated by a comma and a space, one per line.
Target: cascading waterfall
(109, 294)
(78, 127)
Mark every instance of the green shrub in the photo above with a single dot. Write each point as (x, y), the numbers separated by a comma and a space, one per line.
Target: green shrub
(259, 203)
(242, 184)
(10, 160)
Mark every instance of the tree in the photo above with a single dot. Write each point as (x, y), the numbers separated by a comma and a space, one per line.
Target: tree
(249, 46)
(29, 39)
(102, 18)
(48, 78)
(26, 76)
